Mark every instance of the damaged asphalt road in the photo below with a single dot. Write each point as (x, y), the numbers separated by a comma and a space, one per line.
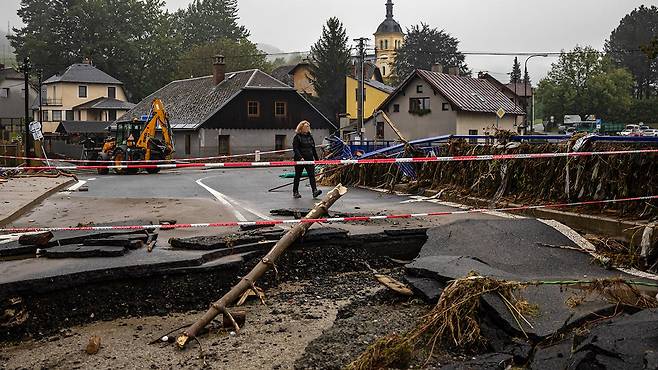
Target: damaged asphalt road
(324, 307)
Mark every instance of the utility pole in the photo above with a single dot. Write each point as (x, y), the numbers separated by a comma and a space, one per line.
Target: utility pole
(26, 68)
(525, 97)
(361, 93)
(40, 75)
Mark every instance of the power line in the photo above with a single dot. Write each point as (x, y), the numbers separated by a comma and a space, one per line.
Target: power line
(466, 53)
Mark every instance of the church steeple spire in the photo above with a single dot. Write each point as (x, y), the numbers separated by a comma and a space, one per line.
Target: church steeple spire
(389, 9)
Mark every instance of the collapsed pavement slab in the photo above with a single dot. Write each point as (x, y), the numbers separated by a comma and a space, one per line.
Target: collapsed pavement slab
(623, 343)
(518, 250)
(231, 240)
(554, 356)
(60, 238)
(83, 251)
(526, 249)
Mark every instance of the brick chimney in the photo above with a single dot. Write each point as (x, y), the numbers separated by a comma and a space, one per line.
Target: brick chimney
(438, 68)
(218, 70)
(87, 61)
(453, 71)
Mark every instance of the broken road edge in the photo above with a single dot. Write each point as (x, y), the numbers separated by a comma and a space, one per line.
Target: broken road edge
(265, 264)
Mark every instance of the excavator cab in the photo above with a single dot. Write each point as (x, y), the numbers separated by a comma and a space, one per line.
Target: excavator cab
(126, 130)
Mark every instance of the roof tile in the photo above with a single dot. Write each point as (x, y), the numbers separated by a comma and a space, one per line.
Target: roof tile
(191, 102)
(83, 73)
(470, 94)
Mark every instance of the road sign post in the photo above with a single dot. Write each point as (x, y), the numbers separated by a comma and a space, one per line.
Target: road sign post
(37, 135)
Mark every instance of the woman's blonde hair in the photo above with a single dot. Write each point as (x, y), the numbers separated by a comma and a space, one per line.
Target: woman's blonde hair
(301, 125)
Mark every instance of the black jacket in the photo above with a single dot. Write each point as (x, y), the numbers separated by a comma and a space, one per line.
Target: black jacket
(304, 147)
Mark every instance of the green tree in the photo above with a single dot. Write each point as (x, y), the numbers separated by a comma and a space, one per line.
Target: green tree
(515, 76)
(132, 40)
(644, 110)
(584, 82)
(423, 47)
(205, 21)
(636, 32)
(329, 64)
(526, 78)
(239, 55)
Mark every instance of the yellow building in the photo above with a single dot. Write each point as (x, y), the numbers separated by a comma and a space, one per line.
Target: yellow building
(388, 38)
(81, 93)
(375, 94)
(301, 78)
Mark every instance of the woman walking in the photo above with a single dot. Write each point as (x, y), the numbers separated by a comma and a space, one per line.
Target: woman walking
(303, 146)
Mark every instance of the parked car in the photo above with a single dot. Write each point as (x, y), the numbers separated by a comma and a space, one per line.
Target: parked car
(650, 132)
(644, 128)
(631, 130)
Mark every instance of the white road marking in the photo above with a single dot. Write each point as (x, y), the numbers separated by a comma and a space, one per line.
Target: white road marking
(435, 200)
(75, 187)
(585, 245)
(221, 198)
(92, 179)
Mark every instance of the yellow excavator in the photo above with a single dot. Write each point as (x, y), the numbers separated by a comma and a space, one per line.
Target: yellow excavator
(122, 147)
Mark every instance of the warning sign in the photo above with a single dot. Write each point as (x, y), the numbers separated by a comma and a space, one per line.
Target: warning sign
(501, 113)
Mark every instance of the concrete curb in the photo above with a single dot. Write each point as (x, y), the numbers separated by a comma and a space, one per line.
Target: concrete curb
(20, 212)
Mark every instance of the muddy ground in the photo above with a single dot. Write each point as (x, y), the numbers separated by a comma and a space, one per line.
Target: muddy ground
(320, 323)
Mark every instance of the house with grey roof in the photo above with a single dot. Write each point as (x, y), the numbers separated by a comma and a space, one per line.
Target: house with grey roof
(429, 103)
(12, 103)
(81, 93)
(232, 113)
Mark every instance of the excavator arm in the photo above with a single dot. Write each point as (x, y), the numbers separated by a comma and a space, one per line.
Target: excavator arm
(158, 116)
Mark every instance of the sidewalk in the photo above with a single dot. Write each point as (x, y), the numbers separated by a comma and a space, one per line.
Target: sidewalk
(17, 195)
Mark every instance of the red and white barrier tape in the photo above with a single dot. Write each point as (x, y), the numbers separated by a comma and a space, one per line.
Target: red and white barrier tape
(495, 157)
(320, 220)
(195, 159)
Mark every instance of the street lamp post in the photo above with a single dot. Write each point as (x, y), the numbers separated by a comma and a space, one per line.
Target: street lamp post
(525, 87)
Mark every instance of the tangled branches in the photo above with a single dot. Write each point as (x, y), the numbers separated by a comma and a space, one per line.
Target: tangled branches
(454, 320)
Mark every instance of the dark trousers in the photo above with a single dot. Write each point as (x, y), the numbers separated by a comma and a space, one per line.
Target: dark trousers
(310, 170)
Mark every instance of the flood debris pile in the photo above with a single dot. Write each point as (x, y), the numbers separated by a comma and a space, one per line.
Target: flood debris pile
(526, 181)
(509, 300)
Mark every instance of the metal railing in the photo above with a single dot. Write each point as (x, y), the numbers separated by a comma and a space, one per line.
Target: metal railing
(52, 102)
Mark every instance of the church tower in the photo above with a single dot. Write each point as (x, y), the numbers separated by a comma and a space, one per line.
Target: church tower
(388, 39)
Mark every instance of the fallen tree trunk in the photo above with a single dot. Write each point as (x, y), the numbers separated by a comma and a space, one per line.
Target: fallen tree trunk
(248, 282)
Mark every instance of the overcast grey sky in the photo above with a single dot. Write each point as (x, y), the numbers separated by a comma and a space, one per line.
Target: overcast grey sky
(480, 25)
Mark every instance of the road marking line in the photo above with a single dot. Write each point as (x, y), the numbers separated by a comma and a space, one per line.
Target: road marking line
(435, 200)
(75, 187)
(241, 205)
(222, 199)
(588, 247)
(92, 179)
